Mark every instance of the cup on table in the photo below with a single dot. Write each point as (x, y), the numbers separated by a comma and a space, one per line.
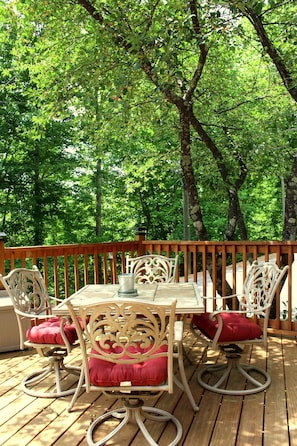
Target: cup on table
(126, 282)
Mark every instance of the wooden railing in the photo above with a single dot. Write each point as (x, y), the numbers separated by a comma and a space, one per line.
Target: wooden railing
(67, 268)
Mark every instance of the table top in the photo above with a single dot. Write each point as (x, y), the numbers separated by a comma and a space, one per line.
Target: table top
(187, 296)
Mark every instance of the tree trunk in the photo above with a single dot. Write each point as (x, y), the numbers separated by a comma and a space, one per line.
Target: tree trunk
(289, 229)
(189, 177)
(235, 217)
(273, 53)
(98, 197)
(37, 205)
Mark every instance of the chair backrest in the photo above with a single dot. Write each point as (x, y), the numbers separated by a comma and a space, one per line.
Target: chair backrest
(152, 268)
(259, 288)
(126, 332)
(28, 292)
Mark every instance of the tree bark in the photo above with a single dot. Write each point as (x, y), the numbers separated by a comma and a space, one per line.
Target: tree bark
(289, 229)
(189, 177)
(274, 54)
(98, 197)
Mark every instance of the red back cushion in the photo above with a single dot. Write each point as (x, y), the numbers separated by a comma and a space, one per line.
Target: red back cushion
(149, 373)
(48, 332)
(235, 327)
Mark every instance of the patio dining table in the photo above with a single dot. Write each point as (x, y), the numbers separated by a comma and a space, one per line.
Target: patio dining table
(187, 295)
(188, 301)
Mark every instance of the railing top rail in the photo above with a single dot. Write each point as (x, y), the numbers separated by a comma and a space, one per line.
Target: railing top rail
(46, 249)
(221, 242)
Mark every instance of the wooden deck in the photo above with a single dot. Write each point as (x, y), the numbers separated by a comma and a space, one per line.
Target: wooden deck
(265, 419)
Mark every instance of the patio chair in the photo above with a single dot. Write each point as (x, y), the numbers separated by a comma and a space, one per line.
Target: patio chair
(128, 355)
(230, 329)
(52, 337)
(152, 268)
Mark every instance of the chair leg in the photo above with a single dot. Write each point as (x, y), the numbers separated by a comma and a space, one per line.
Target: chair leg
(134, 412)
(233, 363)
(77, 390)
(183, 384)
(55, 367)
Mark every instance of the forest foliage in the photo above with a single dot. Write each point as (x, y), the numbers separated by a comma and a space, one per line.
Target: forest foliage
(179, 115)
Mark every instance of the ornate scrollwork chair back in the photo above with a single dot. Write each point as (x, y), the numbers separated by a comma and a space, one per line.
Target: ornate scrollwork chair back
(228, 329)
(52, 337)
(127, 351)
(152, 268)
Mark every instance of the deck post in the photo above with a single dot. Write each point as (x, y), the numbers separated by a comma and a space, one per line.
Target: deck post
(140, 236)
(2, 264)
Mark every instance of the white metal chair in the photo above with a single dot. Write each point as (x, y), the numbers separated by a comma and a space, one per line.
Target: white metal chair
(128, 355)
(52, 337)
(152, 268)
(230, 329)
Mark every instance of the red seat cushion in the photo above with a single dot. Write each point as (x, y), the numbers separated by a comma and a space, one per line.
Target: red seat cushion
(48, 332)
(235, 327)
(149, 373)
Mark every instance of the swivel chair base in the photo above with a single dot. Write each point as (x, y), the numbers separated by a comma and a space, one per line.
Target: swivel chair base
(55, 367)
(134, 412)
(224, 371)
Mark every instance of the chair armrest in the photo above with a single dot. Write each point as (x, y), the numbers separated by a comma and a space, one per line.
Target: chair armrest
(33, 315)
(216, 313)
(57, 299)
